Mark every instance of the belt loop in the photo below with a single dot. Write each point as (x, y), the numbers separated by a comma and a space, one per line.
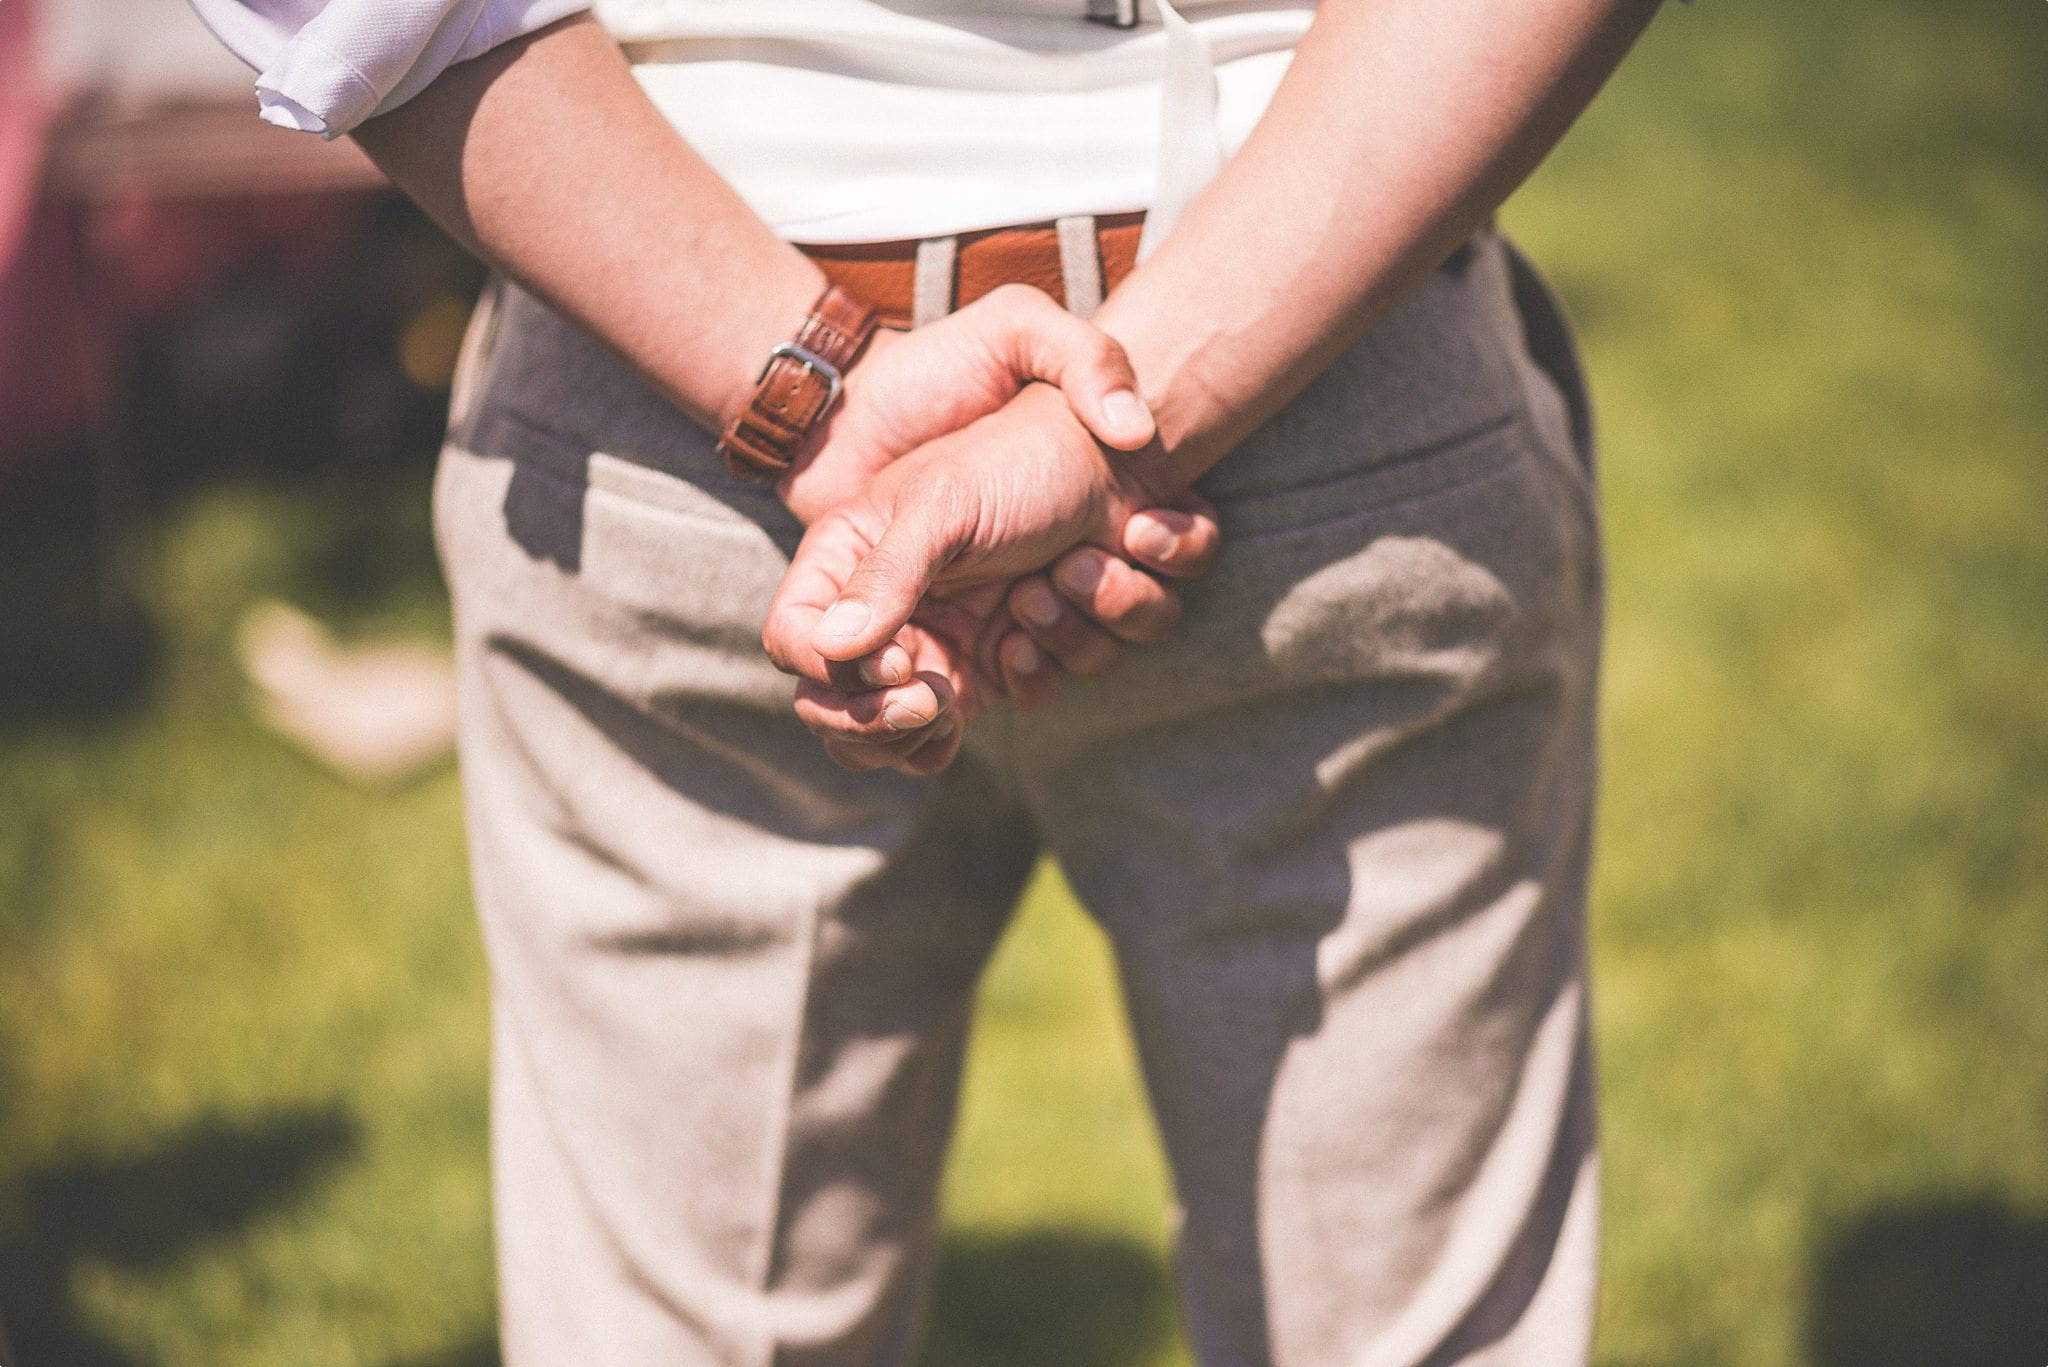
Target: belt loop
(1080, 264)
(931, 288)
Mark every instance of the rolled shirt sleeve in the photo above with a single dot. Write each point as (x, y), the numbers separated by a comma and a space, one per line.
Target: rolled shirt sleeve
(326, 65)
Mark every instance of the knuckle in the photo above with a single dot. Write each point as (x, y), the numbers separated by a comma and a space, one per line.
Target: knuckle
(842, 718)
(1122, 594)
(1127, 597)
(1036, 607)
(1015, 297)
(1118, 615)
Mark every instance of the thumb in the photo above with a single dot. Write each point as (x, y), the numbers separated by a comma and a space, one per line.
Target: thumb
(1038, 340)
(886, 587)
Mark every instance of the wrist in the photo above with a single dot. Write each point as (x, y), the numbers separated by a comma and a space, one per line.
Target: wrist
(1129, 480)
(839, 455)
(775, 319)
(797, 387)
(1185, 409)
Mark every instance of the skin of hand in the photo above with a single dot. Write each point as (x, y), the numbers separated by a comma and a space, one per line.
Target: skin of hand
(894, 610)
(546, 159)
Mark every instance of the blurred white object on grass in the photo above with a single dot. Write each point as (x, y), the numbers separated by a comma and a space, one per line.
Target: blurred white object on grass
(377, 713)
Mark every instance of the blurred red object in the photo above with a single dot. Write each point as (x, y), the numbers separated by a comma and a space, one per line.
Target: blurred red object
(120, 204)
(43, 388)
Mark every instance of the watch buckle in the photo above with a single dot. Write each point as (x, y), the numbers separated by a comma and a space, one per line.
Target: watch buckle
(809, 360)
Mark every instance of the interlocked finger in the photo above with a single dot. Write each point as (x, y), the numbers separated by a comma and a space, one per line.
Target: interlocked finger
(883, 716)
(1031, 679)
(938, 751)
(1061, 630)
(921, 752)
(1180, 542)
(1127, 602)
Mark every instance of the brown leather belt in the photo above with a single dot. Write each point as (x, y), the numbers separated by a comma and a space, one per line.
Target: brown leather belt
(884, 274)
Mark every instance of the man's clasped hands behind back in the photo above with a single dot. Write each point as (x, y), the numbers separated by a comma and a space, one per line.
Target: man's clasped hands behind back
(988, 510)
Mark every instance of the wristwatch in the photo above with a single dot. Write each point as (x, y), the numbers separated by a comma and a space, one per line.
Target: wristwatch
(797, 387)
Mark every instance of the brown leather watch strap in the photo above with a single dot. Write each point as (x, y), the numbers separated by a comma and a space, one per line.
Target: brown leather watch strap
(797, 386)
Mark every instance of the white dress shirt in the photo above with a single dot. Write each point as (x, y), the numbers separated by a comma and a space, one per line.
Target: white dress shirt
(847, 120)
(326, 65)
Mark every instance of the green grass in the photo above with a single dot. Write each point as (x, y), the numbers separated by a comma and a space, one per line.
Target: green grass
(241, 1006)
(1809, 252)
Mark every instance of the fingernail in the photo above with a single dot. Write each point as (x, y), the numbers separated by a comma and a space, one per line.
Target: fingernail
(889, 668)
(901, 716)
(1149, 537)
(847, 617)
(1024, 656)
(1079, 574)
(1126, 412)
(1037, 606)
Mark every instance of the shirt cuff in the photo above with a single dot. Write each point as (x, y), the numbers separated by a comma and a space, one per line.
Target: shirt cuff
(314, 89)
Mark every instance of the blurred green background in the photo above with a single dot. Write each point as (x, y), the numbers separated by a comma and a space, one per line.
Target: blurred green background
(242, 1022)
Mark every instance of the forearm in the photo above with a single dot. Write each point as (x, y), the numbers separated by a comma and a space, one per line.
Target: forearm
(1400, 128)
(546, 159)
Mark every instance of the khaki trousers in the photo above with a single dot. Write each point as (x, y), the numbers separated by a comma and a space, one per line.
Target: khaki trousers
(1336, 830)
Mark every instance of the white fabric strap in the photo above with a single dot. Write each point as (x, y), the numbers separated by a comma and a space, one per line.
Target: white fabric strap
(1190, 148)
(477, 341)
(931, 288)
(1080, 264)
